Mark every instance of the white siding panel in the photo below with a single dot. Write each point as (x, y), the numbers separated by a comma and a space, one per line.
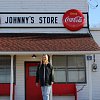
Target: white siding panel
(42, 5)
(96, 75)
(96, 80)
(43, 30)
(4, 98)
(20, 76)
(84, 93)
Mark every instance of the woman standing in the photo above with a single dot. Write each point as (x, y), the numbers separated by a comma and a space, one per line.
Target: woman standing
(45, 75)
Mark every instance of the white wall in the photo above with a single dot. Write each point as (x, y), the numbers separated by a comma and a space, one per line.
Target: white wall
(42, 30)
(41, 6)
(20, 82)
(96, 75)
(83, 94)
(4, 98)
(37, 6)
(96, 80)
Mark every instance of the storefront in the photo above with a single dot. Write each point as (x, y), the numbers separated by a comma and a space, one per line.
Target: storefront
(60, 29)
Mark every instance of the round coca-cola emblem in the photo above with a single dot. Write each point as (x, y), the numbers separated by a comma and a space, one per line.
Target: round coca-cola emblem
(73, 20)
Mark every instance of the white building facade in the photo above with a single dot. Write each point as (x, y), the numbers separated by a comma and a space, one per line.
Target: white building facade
(95, 81)
(30, 27)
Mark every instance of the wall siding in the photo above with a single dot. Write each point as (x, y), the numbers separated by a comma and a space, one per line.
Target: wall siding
(43, 30)
(96, 80)
(20, 82)
(39, 6)
(20, 75)
(84, 93)
(96, 75)
(4, 98)
(42, 5)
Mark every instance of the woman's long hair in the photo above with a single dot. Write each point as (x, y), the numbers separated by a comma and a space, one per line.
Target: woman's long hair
(47, 59)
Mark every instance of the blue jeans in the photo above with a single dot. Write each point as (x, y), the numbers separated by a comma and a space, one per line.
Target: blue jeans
(46, 92)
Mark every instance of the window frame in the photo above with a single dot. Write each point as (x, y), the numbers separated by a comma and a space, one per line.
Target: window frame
(14, 68)
(65, 74)
(77, 69)
(66, 69)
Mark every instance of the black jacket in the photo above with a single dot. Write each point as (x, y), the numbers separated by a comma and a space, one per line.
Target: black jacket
(47, 77)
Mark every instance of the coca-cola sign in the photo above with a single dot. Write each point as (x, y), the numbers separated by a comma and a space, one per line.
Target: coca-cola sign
(73, 20)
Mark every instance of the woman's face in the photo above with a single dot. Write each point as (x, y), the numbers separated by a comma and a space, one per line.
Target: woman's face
(44, 58)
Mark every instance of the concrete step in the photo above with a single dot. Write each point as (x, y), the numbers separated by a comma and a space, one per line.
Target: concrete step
(63, 97)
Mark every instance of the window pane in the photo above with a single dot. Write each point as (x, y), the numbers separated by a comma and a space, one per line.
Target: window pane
(32, 70)
(80, 61)
(4, 78)
(81, 76)
(76, 61)
(60, 75)
(76, 68)
(76, 76)
(59, 60)
(5, 69)
(71, 61)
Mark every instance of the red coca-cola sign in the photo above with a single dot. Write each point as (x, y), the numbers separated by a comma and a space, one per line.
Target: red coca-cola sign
(73, 20)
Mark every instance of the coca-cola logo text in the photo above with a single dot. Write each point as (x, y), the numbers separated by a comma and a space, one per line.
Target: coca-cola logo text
(76, 19)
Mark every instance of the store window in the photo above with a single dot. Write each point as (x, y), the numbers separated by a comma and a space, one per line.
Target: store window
(59, 64)
(5, 69)
(70, 69)
(76, 69)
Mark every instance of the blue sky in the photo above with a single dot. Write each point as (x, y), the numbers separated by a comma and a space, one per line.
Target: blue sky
(94, 13)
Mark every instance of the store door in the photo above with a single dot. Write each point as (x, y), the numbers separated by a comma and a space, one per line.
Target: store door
(32, 91)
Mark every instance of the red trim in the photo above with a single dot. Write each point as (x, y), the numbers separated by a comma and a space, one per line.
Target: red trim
(5, 90)
(65, 90)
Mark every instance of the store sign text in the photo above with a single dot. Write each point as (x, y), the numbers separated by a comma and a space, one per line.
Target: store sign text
(30, 19)
(75, 19)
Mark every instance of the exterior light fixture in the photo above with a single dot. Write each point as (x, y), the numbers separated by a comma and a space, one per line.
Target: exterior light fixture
(33, 56)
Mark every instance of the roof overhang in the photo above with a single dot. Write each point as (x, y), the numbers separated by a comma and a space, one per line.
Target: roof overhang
(49, 44)
(51, 53)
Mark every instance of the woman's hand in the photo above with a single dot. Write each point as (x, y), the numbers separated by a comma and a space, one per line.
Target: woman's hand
(37, 84)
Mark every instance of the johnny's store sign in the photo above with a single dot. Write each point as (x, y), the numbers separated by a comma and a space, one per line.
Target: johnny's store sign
(31, 20)
(73, 20)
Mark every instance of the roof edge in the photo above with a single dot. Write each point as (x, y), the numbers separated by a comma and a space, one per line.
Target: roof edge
(50, 52)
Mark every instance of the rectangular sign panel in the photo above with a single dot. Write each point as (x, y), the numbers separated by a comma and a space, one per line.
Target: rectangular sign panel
(33, 20)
